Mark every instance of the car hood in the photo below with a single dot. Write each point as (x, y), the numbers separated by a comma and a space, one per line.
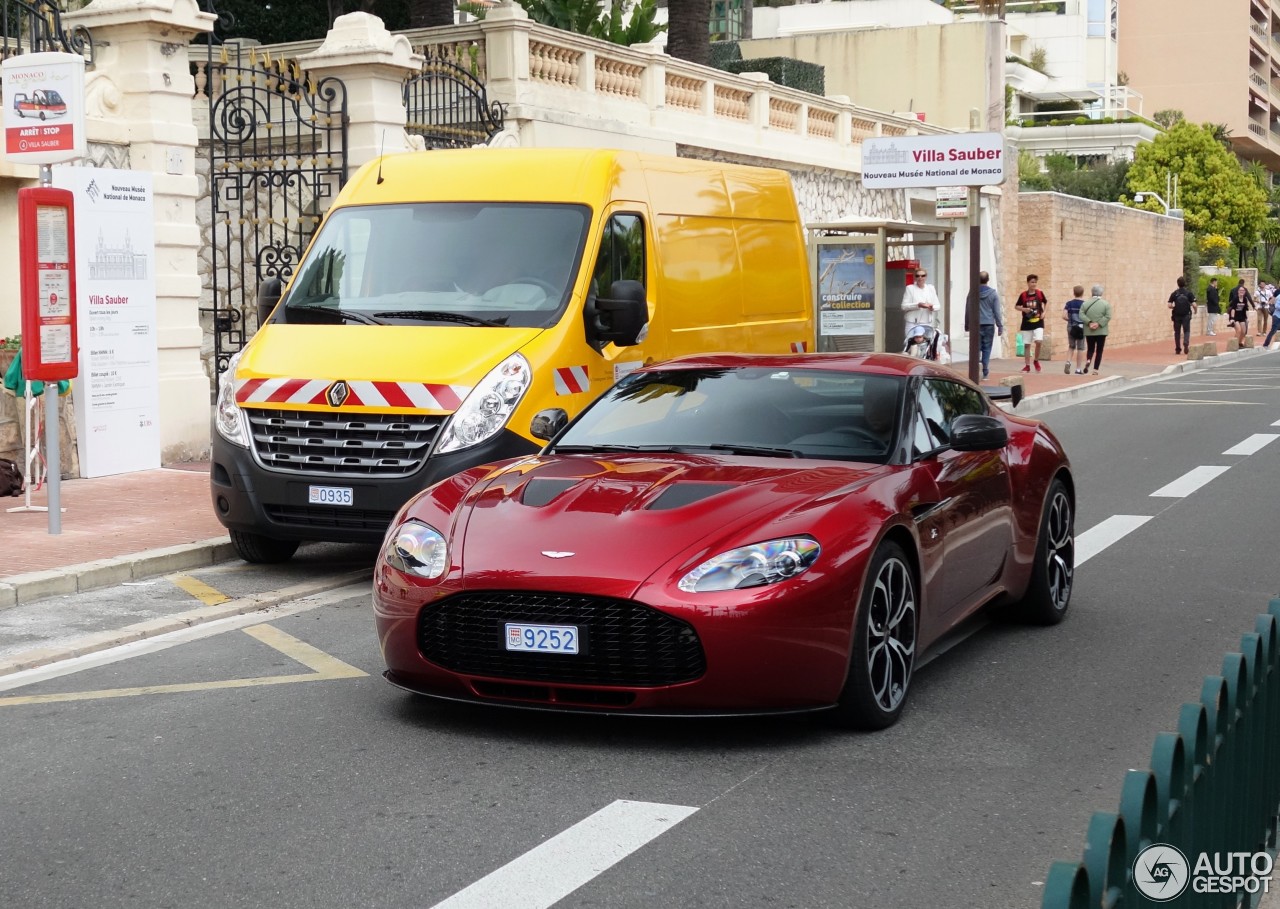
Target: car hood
(613, 522)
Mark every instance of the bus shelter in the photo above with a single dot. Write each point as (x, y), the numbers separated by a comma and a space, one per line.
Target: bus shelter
(861, 270)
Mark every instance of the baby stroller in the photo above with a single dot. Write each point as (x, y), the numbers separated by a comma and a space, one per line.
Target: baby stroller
(927, 343)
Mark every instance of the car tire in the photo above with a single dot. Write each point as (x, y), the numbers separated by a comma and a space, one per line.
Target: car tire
(883, 656)
(1049, 593)
(260, 550)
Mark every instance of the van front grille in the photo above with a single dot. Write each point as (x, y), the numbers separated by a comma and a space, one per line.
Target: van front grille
(371, 445)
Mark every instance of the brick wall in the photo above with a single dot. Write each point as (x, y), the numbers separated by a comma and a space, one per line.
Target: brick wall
(1136, 256)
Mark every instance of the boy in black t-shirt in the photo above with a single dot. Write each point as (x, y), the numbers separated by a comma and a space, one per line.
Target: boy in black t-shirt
(1031, 303)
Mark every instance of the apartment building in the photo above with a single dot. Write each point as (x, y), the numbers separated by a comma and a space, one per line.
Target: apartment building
(1216, 62)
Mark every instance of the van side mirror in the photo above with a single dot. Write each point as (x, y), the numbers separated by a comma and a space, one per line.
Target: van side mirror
(621, 317)
(268, 296)
(546, 424)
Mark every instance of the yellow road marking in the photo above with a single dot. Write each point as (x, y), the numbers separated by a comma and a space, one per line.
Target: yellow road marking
(199, 589)
(323, 668)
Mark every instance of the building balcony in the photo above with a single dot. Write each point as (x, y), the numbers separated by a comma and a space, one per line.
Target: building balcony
(1114, 141)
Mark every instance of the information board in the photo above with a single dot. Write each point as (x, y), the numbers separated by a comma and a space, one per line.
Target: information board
(117, 395)
(43, 107)
(47, 282)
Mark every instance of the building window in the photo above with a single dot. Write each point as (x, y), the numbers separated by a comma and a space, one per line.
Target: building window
(1097, 22)
(727, 20)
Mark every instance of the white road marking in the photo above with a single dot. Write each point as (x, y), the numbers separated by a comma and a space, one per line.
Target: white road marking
(1100, 536)
(1189, 482)
(1276, 423)
(173, 638)
(1253, 444)
(548, 873)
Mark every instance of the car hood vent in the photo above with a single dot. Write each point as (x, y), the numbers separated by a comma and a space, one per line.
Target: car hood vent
(541, 490)
(682, 494)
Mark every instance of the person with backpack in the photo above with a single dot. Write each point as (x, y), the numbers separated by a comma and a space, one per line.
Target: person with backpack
(1182, 302)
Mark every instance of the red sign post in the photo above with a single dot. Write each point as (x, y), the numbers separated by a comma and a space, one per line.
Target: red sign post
(46, 261)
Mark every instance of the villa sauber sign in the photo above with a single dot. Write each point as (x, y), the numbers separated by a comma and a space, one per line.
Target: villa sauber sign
(960, 159)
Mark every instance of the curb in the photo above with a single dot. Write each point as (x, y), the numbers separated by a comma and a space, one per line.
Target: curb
(21, 589)
(104, 640)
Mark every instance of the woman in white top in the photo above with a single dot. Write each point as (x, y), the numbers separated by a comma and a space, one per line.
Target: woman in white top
(920, 303)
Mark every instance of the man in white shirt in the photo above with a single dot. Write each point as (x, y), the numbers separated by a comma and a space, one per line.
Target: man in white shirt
(920, 303)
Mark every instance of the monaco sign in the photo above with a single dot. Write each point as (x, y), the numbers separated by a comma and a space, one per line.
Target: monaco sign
(958, 159)
(43, 108)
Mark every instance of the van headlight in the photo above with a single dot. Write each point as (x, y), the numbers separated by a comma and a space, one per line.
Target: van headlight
(228, 416)
(753, 566)
(486, 410)
(416, 549)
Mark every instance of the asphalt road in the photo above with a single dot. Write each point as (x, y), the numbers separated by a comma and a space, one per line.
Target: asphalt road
(251, 767)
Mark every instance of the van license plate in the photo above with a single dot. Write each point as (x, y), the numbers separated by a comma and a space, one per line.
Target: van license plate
(329, 495)
(542, 638)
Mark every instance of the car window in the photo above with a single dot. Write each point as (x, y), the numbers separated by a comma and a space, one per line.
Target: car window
(938, 403)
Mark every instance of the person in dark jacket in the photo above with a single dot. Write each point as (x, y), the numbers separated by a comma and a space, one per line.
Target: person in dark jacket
(1182, 303)
(1212, 306)
(990, 320)
(1239, 302)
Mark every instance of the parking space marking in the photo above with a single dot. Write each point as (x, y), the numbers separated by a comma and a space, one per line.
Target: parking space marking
(199, 589)
(323, 668)
(1100, 536)
(1253, 444)
(551, 871)
(1189, 482)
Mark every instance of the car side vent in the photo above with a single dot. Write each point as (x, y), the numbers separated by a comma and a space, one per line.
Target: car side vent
(682, 494)
(541, 490)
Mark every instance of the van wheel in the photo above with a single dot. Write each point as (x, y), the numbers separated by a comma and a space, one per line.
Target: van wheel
(260, 550)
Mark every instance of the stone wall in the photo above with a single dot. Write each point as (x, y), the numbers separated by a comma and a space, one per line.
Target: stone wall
(1135, 255)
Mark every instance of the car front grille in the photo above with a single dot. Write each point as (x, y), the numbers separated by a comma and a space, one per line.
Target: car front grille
(623, 642)
(374, 445)
(320, 516)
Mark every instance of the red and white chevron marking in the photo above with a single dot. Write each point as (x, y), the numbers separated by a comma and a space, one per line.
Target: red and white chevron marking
(403, 395)
(799, 346)
(572, 380)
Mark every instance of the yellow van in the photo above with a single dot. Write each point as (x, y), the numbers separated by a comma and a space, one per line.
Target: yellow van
(456, 307)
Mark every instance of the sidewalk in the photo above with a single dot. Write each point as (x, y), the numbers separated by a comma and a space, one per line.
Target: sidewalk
(155, 522)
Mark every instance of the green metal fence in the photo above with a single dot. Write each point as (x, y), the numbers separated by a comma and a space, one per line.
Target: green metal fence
(1213, 787)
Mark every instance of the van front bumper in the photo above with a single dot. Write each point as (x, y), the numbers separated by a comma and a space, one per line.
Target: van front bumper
(249, 498)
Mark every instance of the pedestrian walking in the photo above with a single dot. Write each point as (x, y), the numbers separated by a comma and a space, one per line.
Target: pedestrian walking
(919, 304)
(1275, 324)
(1182, 304)
(990, 320)
(1212, 306)
(1031, 303)
(1239, 302)
(1263, 306)
(1096, 313)
(1075, 331)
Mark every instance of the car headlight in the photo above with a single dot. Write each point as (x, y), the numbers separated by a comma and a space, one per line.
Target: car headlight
(753, 566)
(228, 416)
(489, 405)
(417, 549)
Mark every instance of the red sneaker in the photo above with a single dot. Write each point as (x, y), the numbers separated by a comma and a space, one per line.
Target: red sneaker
(1037, 365)
(1026, 369)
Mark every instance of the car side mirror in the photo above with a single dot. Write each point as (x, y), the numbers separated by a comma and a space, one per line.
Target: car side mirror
(268, 296)
(978, 432)
(547, 424)
(620, 318)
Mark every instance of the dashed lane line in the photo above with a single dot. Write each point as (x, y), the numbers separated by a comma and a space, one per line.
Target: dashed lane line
(199, 589)
(1253, 444)
(1100, 536)
(1189, 482)
(551, 871)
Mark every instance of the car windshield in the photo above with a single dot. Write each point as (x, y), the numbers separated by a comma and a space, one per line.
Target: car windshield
(457, 263)
(804, 412)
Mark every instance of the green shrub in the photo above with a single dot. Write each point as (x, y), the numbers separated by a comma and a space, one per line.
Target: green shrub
(724, 53)
(807, 77)
(13, 342)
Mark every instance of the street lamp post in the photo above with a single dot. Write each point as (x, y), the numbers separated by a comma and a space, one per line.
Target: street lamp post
(1141, 197)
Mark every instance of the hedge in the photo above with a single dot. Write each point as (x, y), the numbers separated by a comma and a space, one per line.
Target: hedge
(808, 77)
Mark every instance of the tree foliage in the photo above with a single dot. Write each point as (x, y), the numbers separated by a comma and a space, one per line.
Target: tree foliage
(1103, 181)
(622, 21)
(1215, 193)
(280, 21)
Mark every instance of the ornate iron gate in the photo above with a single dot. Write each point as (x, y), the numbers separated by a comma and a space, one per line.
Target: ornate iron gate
(448, 106)
(27, 26)
(277, 157)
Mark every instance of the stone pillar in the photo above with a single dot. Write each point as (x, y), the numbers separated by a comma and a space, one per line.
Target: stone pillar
(506, 49)
(140, 47)
(373, 64)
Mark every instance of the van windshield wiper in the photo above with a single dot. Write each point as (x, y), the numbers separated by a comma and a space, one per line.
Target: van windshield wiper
(349, 315)
(440, 316)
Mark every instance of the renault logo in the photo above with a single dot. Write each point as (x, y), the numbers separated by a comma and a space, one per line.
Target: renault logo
(337, 393)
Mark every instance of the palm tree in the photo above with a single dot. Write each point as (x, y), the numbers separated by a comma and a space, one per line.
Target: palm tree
(426, 13)
(689, 30)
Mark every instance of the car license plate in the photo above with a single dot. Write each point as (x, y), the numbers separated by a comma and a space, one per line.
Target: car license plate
(542, 638)
(330, 495)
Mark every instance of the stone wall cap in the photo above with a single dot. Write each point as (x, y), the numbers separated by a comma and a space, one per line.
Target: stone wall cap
(362, 38)
(185, 14)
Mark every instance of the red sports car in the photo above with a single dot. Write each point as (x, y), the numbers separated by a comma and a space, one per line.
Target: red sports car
(730, 534)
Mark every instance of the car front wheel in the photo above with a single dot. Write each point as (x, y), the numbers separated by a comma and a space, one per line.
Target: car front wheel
(1049, 592)
(883, 656)
(260, 550)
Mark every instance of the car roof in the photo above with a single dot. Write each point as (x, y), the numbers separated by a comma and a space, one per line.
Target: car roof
(887, 364)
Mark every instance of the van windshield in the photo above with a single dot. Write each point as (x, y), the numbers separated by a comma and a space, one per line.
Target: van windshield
(440, 263)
